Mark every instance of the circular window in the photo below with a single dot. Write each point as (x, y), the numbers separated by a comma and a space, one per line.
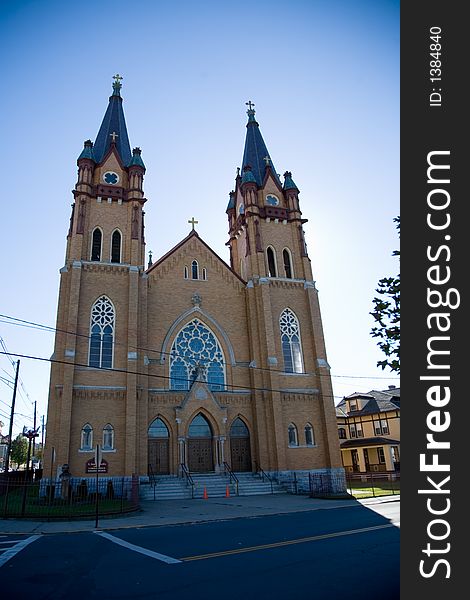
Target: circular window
(111, 178)
(272, 200)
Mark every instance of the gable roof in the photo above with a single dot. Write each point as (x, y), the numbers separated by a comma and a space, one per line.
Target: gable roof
(193, 234)
(374, 401)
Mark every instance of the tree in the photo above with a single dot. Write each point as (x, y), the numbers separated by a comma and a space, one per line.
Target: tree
(387, 317)
(19, 450)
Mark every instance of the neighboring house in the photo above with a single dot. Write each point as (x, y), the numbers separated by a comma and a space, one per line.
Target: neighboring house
(369, 431)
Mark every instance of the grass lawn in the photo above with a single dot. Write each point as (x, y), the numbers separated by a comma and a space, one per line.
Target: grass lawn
(364, 489)
(42, 507)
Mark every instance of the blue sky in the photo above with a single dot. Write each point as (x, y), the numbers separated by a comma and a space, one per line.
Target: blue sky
(324, 76)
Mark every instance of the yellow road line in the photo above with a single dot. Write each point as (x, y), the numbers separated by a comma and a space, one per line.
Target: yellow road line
(286, 543)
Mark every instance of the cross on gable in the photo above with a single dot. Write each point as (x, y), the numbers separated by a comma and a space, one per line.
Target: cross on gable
(267, 160)
(193, 222)
(114, 135)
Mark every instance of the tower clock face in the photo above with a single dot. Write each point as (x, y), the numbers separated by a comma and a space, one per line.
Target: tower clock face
(111, 178)
(272, 200)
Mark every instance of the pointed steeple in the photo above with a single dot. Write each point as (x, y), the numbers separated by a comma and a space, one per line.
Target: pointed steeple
(256, 154)
(289, 182)
(87, 151)
(113, 129)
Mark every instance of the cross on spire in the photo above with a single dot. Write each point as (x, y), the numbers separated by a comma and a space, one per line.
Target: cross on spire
(250, 104)
(117, 80)
(114, 135)
(193, 222)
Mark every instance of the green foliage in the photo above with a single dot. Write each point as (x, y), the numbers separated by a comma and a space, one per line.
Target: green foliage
(19, 450)
(386, 314)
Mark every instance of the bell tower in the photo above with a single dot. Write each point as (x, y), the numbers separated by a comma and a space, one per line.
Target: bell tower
(102, 296)
(266, 236)
(288, 355)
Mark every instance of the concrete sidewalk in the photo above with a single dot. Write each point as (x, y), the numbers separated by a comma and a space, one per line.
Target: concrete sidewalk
(177, 512)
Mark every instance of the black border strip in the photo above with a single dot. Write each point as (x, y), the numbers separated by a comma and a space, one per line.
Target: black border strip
(433, 124)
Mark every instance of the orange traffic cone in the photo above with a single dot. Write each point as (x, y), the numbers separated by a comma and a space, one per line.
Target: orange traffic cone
(205, 493)
(227, 492)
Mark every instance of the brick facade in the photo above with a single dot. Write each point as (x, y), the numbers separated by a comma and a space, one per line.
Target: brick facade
(240, 304)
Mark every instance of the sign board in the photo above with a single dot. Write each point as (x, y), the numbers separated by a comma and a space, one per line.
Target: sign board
(90, 466)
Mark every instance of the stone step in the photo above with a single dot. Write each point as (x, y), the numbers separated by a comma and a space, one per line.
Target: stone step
(171, 487)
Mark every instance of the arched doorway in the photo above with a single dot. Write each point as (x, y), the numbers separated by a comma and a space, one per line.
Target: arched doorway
(159, 447)
(200, 451)
(240, 446)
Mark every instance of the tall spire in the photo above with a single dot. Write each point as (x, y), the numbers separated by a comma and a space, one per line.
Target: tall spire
(113, 129)
(256, 154)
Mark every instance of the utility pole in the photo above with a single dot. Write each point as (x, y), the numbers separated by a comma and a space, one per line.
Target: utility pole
(10, 431)
(34, 427)
(42, 441)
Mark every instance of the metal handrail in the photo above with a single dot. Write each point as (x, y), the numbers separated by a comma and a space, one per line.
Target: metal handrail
(264, 475)
(152, 479)
(227, 469)
(189, 480)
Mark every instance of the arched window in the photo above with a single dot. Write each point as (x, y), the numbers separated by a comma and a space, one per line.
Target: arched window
(116, 247)
(96, 244)
(290, 340)
(101, 333)
(309, 437)
(271, 258)
(158, 429)
(194, 270)
(199, 427)
(86, 439)
(239, 429)
(108, 437)
(196, 351)
(342, 433)
(287, 263)
(186, 273)
(292, 435)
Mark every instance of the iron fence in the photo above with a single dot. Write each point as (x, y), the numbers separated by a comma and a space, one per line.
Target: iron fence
(74, 498)
(371, 485)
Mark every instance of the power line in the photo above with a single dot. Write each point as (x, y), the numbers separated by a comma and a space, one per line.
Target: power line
(20, 381)
(41, 327)
(165, 377)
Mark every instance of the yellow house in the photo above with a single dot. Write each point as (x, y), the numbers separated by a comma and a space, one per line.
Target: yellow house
(369, 431)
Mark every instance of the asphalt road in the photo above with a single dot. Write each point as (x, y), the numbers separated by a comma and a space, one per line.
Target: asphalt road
(349, 552)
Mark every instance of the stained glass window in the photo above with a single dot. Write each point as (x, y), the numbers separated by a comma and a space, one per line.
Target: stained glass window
(290, 340)
(292, 435)
(158, 429)
(96, 245)
(287, 263)
(86, 437)
(272, 271)
(199, 427)
(309, 437)
(194, 270)
(108, 437)
(239, 429)
(116, 247)
(102, 333)
(196, 350)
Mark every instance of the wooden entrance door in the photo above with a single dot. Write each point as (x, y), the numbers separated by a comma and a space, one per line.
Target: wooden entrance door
(159, 456)
(240, 453)
(200, 459)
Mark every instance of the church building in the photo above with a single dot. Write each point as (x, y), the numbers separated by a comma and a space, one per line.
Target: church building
(188, 363)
